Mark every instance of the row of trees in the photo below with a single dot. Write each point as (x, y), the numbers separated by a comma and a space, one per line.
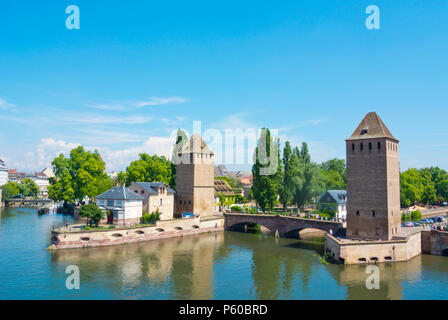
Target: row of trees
(424, 186)
(27, 188)
(292, 178)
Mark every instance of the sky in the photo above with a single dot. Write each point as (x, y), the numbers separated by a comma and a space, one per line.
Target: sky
(136, 71)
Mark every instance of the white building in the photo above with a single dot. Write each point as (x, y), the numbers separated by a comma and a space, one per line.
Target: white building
(335, 201)
(3, 173)
(122, 206)
(42, 181)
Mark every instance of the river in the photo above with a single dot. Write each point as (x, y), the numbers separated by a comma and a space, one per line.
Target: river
(225, 265)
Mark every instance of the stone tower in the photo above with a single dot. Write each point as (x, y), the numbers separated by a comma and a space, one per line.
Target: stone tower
(195, 189)
(373, 181)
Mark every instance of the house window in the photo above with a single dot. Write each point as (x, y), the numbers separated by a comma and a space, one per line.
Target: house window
(161, 202)
(169, 201)
(118, 203)
(110, 203)
(101, 202)
(155, 202)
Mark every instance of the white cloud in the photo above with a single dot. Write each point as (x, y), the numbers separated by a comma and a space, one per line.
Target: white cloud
(120, 159)
(101, 119)
(129, 105)
(5, 105)
(157, 101)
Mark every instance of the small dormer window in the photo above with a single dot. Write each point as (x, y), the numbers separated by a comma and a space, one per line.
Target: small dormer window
(364, 131)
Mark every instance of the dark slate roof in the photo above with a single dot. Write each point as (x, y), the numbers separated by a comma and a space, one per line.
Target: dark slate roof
(339, 196)
(153, 187)
(2, 165)
(371, 127)
(119, 193)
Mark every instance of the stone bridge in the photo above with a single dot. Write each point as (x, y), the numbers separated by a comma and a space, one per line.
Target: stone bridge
(281, 225)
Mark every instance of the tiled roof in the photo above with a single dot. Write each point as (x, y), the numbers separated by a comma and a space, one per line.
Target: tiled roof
(339, 196)
(153, 187)
(222, 187)
(119, 193)
(195, 145)
(371, 127)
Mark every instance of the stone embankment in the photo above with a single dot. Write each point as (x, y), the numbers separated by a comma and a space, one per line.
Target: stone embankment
(73, 237)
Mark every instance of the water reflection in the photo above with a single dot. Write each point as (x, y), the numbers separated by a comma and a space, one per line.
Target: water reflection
(226, 265)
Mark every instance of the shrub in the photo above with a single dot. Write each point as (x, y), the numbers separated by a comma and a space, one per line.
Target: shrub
(150, 218)
(236, 209)
(416, 215)
(92, 213)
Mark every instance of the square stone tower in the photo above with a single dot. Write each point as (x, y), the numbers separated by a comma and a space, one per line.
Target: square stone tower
(373, 181)
(195, 188)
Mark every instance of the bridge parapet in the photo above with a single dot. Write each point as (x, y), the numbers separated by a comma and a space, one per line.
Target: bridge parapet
(282, 224)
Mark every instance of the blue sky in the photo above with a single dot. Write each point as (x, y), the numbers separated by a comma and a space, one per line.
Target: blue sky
(137, 70)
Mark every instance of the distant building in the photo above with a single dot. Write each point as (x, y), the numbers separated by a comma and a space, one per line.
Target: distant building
(49, 173)
(42, 181)
(156, 195)
(3, 173)
(336, 201)
(373, 181)
(122, 206)
(220, 171)
(16, 176)
(223, 191)
(195, 179)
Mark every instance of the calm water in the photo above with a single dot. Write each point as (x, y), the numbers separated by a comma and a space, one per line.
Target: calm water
(227, 265)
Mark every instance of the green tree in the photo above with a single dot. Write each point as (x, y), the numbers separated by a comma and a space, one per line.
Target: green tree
(121, 178)
(92, 213)
(287, 188)
(149, 169)
(266, 171)
(335, 174)
(28, 188)
(9, 190)
(411, 187)
(313, 183)
(79, 175)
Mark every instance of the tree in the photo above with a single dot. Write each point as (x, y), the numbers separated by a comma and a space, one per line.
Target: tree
(335, 174)
(28, 188)
(412, 188)
(121, 178)
(313, 183)
(287, 188)
(149, 169)
(77, 176)
(266, 171)
(92, 213)
(9, 190)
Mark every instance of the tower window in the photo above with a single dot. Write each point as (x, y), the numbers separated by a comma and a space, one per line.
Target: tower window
(373, 213)
(361, 146)
(353, 147)
(370, 145)
(363, 132)
(379, 145)
(357, 212)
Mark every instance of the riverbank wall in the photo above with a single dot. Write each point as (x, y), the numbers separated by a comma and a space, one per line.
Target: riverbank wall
(347, 251)
(70, 238)
(435, 242)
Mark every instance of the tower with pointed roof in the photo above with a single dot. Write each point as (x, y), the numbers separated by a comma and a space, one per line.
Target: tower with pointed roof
(373, 181)
(195, 178)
